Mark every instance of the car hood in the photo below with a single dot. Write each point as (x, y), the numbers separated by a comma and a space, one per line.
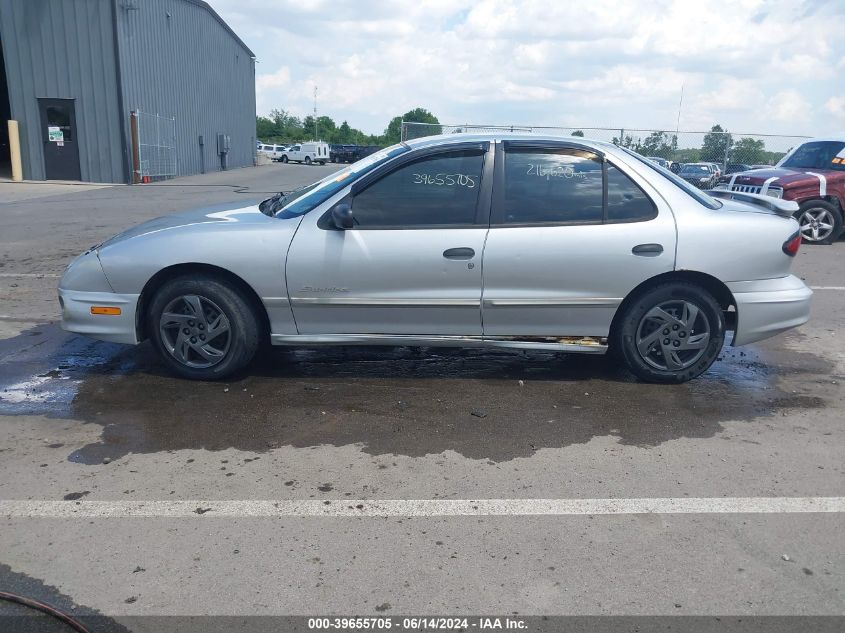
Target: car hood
(218, 214)
(782, 177)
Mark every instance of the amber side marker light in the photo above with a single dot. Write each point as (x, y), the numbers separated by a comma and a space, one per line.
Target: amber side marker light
(105, 310)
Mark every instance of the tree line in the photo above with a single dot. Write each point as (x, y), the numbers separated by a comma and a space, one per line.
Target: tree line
(718, 145)
(283, 127)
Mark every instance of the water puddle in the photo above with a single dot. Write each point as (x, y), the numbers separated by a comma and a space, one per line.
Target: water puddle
(483, 404)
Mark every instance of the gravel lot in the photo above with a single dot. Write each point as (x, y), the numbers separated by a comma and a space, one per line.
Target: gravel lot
(392, 470)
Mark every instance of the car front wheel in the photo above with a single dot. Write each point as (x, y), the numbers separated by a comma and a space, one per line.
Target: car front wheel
(307, 160)
(284, 159)
(203, 327)
(670, 333)
(820, 222)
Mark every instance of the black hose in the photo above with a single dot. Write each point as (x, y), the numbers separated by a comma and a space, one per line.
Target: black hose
(45, 608)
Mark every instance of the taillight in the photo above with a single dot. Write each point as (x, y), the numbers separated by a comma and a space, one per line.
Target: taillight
(790, 246)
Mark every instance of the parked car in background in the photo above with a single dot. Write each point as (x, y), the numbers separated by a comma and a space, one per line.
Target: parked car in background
(273, 152)
(308, 153)
(813, 175)
(701, 175)
(734, 168)
(367, 150)
(585, 247)
(760, 166)
(344, 153)
(717, 169)
(671, 165)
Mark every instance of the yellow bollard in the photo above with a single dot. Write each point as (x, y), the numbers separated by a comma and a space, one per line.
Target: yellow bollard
(15, 151)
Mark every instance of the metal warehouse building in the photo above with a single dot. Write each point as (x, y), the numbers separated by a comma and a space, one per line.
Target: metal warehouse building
(124, 90)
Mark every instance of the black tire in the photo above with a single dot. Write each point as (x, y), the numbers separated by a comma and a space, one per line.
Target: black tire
(634, 324)
(818, 211)
(322, 163)
(283, 159)
(243, 334)
(307, 160)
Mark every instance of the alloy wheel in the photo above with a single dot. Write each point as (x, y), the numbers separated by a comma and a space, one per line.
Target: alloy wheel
(816, 224)
(195, 331)
(673, 335)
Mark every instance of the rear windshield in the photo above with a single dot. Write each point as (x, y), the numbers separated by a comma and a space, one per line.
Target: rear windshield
(692, 192)
(817, 155)
(303, 200)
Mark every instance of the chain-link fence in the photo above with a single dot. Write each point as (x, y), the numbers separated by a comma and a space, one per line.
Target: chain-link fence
(729, 150)
(156, 146)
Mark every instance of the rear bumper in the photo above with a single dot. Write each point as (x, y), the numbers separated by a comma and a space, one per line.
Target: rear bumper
(768, 307)
(77, 317)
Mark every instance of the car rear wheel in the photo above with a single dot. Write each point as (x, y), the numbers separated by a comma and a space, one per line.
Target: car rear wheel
(671, 333)
(203, 327)
(820, 222)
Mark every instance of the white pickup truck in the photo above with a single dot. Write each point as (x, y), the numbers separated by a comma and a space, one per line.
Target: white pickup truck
(313, 152)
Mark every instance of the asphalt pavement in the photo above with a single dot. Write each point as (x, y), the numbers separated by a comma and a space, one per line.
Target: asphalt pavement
(395, 481)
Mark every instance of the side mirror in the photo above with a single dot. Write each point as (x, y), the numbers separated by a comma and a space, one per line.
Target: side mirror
(342, 217)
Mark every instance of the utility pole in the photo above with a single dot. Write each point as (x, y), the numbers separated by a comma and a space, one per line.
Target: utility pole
(316, 134)
(680, 103)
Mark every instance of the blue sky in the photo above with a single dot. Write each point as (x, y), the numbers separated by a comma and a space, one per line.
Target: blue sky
(752, 66)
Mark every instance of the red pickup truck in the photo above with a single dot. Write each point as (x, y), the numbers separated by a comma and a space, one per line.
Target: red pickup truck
(812, 174)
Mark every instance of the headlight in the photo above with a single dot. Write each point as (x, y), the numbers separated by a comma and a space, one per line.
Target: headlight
(85, 273)
(775, 192)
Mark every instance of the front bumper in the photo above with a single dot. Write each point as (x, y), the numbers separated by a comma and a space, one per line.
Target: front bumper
(77, 317)
(767, 307)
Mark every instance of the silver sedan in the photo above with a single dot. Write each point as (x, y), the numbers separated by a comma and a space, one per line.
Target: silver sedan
(460, 240)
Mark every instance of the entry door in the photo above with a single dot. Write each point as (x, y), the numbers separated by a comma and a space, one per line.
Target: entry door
(562, 254)
(411, 265)
(59, 134)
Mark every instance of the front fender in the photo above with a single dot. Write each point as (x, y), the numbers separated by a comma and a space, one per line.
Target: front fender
(254, 252)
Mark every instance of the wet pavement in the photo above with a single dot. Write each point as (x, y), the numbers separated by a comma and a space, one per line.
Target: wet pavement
(85, 421)
(487, 405)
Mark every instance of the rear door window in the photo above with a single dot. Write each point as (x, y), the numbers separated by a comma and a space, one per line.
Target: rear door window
(552, 186)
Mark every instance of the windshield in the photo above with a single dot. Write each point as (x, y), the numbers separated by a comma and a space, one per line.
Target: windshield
(817, 155)
(703, 198)
(695, 169)
(306, 198)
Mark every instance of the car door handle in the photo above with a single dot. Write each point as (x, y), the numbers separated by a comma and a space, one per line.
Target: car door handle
(459, 253)
(647, 250)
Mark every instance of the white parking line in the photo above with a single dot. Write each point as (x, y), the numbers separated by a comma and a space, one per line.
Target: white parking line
(32, 275)
(827, 287)
(416, 507)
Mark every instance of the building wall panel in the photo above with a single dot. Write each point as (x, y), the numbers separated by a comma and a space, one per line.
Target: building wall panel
(64, 50)
(177, 60)
(169, 57)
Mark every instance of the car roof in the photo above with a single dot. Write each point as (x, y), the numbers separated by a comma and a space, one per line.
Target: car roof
(837, 138)
(449, 139)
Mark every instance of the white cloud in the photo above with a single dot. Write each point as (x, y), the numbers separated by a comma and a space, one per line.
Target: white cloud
(790, 106)
(835, 106)
(267, 87)
(746, 64)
